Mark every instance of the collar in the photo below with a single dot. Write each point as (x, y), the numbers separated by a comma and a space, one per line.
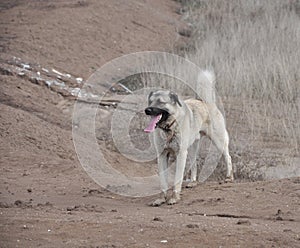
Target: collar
(167, 127)
(169, 131)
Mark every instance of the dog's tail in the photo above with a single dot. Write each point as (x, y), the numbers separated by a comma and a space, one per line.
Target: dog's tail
(206, 83)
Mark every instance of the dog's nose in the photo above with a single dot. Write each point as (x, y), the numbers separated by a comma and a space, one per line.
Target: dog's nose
(149, 111)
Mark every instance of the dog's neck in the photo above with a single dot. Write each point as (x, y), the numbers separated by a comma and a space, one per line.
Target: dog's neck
(168, 129)
(168, 126)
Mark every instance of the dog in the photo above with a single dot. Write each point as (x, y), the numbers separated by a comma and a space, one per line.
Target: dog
(177, 126)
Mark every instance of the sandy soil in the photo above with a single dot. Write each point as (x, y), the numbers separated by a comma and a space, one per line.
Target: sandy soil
(47, 199)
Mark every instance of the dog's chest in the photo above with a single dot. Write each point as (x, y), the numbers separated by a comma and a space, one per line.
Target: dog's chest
(171, 141)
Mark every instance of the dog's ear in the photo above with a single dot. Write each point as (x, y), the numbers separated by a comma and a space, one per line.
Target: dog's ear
(151, 93)
(174, 98)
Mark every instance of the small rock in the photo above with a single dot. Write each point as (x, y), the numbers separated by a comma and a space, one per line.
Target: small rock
(4, 205)
(244, 222)
(47, 204)
(192, 226)
(79, 80)
(94, 191)
(25, 66)
(25, 174)
(157, 219)
(185, 32)
(18, 202)
(29, 190)
(278, 215)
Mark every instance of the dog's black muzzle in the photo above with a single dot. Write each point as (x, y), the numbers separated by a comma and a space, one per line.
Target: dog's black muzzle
(154, 111)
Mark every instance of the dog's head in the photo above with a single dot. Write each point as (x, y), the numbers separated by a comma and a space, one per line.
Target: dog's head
(162, 107)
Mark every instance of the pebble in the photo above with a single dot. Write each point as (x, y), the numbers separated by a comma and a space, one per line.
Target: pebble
(157, 219)
(192, 226)
(244, 222)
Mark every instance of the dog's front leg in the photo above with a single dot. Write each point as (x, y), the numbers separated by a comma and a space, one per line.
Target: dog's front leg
(180, 166)
(162, 171)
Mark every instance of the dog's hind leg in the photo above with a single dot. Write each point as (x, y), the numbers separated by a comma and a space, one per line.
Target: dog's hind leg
(227, 157)
(193, 158)
(221, 139)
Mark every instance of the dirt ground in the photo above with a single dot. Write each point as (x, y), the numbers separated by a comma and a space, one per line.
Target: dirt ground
(48, 200)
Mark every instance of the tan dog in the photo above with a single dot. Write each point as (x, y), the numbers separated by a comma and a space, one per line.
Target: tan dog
(177, 125)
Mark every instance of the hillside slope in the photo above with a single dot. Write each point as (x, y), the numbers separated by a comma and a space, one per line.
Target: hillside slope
(47, 199)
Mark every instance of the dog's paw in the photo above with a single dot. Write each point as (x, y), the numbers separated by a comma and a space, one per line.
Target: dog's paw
(172, 201)
(191, 184)
(229, 179)
(158, 202)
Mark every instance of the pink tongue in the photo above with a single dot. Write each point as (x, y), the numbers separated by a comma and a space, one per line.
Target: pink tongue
(152, 124)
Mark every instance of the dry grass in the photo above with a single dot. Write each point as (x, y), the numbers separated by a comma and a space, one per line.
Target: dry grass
(254, 48)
